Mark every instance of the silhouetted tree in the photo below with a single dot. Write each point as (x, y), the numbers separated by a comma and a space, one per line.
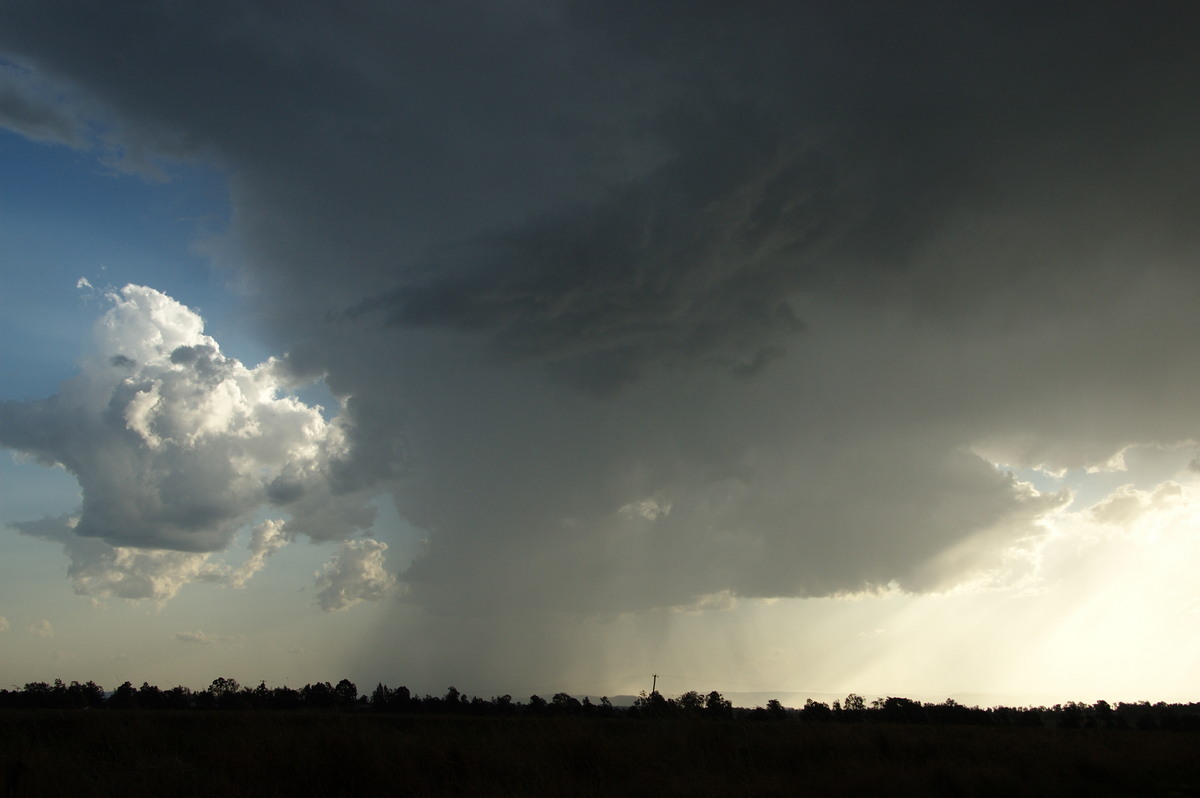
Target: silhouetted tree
(690, 702)
(149, 696)
(1105, 717)
(1069, 715)
(716, 706)
(902, 710)
(88, 695)
(564, 704)
(285, 697)
(652, 705)
(385, 699)
(381, 698)
(503, 705)
(224, 693)
(258, 698)
(320, 695)
(38, 695)
(952, 712)
(815, 711)
(565, 700)
(124, 697)
(346, 693)
(454, 701)
(179, 697)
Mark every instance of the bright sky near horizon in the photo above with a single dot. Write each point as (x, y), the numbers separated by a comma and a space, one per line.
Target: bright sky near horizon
(792, 351)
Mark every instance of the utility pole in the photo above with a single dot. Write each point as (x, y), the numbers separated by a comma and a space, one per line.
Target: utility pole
(654, 688)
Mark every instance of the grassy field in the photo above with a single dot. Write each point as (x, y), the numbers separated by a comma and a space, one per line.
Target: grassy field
(112, 753)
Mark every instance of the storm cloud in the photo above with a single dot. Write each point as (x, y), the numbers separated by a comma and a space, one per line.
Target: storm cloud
(632, 307)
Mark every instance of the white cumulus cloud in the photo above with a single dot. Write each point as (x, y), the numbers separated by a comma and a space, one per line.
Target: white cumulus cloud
(355, 574)
(266, 539)
(176, 448)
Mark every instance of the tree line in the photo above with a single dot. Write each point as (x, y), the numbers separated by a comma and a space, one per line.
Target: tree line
(227, 694)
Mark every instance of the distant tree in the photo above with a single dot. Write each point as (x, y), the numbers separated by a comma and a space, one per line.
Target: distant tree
(775, 710)
(816, 711)
(124, 697)
(261, 697)
(716, 706)
(88, 695)
(564, 704)
(224, 693)
(503, 705)
(537, 704)
(385, 699)
(320, 695)
(691, 702)
(222, 687)
(284, 697)
(381, 698)
(180, 697)
(1105, 717)
(903, 710)
(347, 693)
(149, 696)
(653, 705)
(1135, 715)
(58, 695)
(952, 712)
(37, 695)
(1070, 715)
(854, 703)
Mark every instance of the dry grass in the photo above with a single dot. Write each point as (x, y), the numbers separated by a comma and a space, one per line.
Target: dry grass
(99, 753)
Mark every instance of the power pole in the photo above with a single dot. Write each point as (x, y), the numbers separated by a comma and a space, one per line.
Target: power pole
(654, 688)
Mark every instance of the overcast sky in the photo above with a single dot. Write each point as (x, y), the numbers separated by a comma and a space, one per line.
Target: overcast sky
(795, 348)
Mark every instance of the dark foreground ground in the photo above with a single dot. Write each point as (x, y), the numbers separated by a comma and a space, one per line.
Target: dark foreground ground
(104, 753)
